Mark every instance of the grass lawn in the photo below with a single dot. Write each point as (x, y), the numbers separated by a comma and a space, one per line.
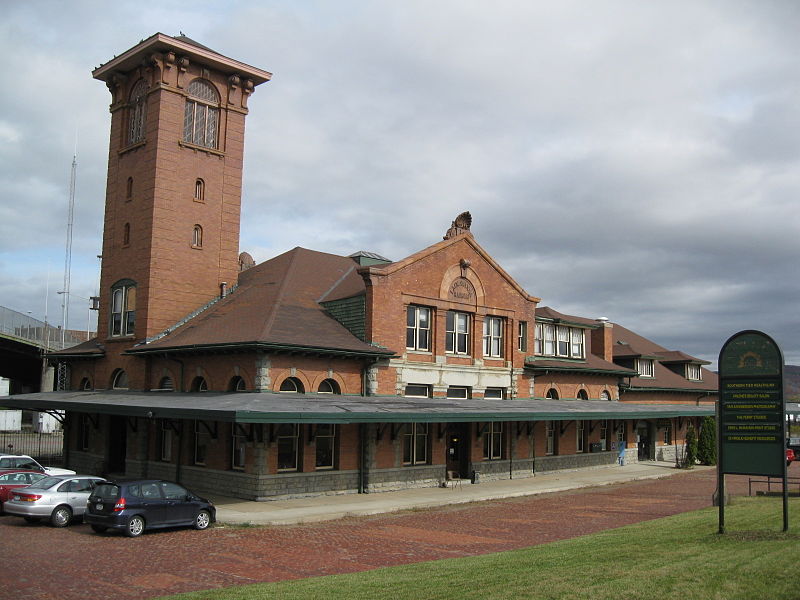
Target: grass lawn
(680, 557)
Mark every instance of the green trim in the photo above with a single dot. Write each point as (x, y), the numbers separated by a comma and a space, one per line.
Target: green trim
(663, 389)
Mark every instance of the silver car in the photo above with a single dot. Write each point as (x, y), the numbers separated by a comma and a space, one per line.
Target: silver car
(58, 498)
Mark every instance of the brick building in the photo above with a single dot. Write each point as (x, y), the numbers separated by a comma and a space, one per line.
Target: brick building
(317, 373)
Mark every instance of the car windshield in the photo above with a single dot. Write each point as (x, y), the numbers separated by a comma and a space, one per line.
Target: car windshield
(106, 491)
(46, 483)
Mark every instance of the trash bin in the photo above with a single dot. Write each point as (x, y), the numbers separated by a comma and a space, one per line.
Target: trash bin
(476, 477)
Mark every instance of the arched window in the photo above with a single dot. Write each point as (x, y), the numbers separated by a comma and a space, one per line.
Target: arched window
(201, 116)
(197, 237)
(237, 384)
(129, 189)
(126, 234)
(119, 380)
(582, 395)
(199, 384)
(166, 383)
(292, 385)
(136, 108)
(604, 395)
(86, 384)
(552, 394)
(329, 386)
(199, 190)
(123, 308)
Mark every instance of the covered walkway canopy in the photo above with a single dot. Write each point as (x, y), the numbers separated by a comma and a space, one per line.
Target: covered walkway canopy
(271, 407)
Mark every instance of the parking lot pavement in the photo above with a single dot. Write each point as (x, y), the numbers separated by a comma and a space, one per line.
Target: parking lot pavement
(41, 562)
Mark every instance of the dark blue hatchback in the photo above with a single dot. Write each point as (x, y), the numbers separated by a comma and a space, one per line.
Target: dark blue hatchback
(136, 505)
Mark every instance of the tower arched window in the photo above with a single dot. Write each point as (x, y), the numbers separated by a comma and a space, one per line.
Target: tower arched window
(329, 386)
(136, 106)
(199, 190)
(129, 190)
(123, 308)
(201, 116)
(126, 234)
(197, 237)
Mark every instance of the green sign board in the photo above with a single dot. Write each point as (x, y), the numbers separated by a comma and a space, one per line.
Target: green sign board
(752, 424)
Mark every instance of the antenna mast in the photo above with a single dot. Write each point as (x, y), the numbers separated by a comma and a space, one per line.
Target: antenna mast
(68, 251)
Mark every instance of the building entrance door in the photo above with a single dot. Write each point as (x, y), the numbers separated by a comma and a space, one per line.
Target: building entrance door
(458, 448)
(117, 444)
(643, 436)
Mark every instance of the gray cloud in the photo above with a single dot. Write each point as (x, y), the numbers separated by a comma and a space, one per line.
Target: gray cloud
(625, 159)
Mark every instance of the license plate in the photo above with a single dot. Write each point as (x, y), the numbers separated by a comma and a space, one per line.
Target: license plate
(98, 506)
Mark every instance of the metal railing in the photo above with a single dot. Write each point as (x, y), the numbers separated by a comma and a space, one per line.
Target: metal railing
(47, 448)
(23, 327)
(774, 481)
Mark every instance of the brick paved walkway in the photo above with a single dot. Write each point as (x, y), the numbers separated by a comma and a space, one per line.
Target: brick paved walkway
(40, 562)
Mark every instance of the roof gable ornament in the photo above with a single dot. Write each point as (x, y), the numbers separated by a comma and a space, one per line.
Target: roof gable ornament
(459, 226)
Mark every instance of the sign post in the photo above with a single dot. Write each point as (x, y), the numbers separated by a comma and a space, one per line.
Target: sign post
(751, 420)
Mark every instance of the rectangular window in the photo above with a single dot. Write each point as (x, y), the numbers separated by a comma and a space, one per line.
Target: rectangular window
(123, 310)
(494, 393)
(201, 440)
(576, 335)
(418, 328)
(324, 438)
(458, 392)
(563, 341)
(646, 367)
(550, 438)
(522, 336)
(415, 444)
(457, 333)
(493, 337)
(538, 339)
(604, 435)
(493, 442)
(286, 438)
(549, 340)
(580, 436)
(621, 433)
(416, 390)
(166, 441)
(238, 442)
(693, 373)
(668, 434)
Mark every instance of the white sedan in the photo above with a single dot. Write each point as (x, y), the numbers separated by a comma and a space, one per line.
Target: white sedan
(17, 461)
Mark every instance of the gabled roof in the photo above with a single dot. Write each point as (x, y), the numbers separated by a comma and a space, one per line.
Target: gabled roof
(632, 344)
(276, 305)
(89, 349)
(545, 313)
(438, 247)
(678, 357)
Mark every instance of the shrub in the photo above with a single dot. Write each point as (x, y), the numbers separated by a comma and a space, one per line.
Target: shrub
(690, 456)
(707, 444)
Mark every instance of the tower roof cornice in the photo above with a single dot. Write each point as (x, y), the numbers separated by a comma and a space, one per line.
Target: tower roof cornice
(159, 42)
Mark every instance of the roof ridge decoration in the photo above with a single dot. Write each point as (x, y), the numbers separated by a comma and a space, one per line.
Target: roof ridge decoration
(461, 225)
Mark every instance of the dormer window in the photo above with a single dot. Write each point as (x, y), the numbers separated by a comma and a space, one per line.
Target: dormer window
(559, 340)
(694, 373)
(646, 367)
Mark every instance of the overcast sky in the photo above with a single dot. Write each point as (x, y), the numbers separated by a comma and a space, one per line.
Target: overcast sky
(633, 160)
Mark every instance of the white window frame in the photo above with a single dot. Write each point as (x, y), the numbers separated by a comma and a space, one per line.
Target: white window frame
(563, 341)
(459, 392)
(646, 367)
(604, 435)
(288, 432)
(493, 441)
(457, 329)
(494, 393)
(418, 328)
(123, 310)
(694, 372)
(577, 345)
(580, 436)
(538, 339)
(417, 390)
(522, 336)
(550, 438)
(493, 337)
(415, 444)
(549, 340)
(201, 115)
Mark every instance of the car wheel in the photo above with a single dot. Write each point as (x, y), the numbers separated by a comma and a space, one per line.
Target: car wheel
(203, 520)
(135, 526)
(99, 528)
(61, 516)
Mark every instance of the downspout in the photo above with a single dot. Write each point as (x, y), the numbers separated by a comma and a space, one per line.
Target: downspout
(363, 481)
